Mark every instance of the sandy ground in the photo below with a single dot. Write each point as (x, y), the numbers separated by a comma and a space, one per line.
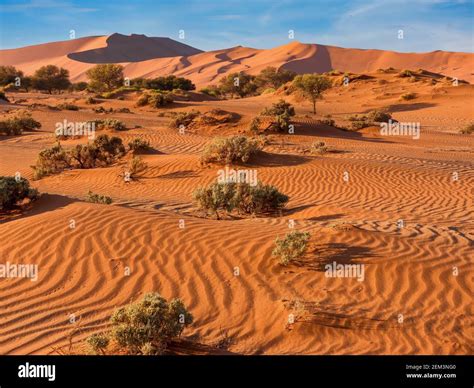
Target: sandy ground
(410, 301)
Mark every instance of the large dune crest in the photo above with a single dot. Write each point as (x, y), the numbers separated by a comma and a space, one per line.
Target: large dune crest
(144, 56)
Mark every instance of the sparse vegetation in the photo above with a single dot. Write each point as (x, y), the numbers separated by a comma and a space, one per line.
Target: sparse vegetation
(105, 77)
(138, 145)
(312, 86)
(97, 198)
(22, 121)
(67, 106)
(292, 247)
(103, 151)
(242, 197)
(319, 147)
(111, 124)
(230, 150)
(15, 190)
(282, 112)
(467, 130)
(183, 119)
(145, 327)
(51, 78)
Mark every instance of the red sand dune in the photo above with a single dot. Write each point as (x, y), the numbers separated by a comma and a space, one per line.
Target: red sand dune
(148, 57)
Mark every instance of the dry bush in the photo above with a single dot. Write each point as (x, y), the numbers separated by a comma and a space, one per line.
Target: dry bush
(292, 247)
(15, 190)
(230, 150)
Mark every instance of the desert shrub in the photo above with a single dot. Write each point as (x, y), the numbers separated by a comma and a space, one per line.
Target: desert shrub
(98, 343)
(215, 197)
(91, 100)
(97, 198)
(255, 125)
(112, 124)
(258, 199)
(467, 130)
(51, 161)
(135, 166)
(67, 106)
(360, 124)
(242, 197)
(229, 150)
(212, 90)
(329, 122)
(22, 121)
(51, 78)
(291, 247)
(14, 190)
(319, 147)
(408, 96)
(105, 77)
(79, 86)
(279, 108)
(159, 99)
(168, 83)
(268, 91)
(379, 116)
(183, 119)
(139, 145)
(143, 100)
(147, 326)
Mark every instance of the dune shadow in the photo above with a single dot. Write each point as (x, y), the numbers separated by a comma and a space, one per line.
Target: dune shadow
(179, 174)
(46, 203)
(327, 217)
(268, 159)
(408, 107)
(317, 259)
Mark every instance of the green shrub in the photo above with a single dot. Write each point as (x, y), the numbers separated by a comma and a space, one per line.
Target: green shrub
(105, 77)
(112, 124)
(242, 197)
(67, 106)
(292, 247)
(183, 119)
(98, 343)
(467, 130)
(13, 191)
(379, 116)
(230, 149)
(138, 145)
(147, 326)
(279, 108)
(51, 161)
(212, 90)
(96, 198)
(159, 99)
(19, 123)
(319, 147)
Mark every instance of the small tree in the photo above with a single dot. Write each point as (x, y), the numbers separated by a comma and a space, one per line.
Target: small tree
(105, 77)
(9, 74)
(291, 247)
(312, 86)
(51, 78)
(238, 83)
(271, 77)
(14, 190)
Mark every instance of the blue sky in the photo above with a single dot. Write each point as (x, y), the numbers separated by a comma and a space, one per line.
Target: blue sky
(214, 24)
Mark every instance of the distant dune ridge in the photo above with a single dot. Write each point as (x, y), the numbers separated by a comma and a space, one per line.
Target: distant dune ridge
(144, 56)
